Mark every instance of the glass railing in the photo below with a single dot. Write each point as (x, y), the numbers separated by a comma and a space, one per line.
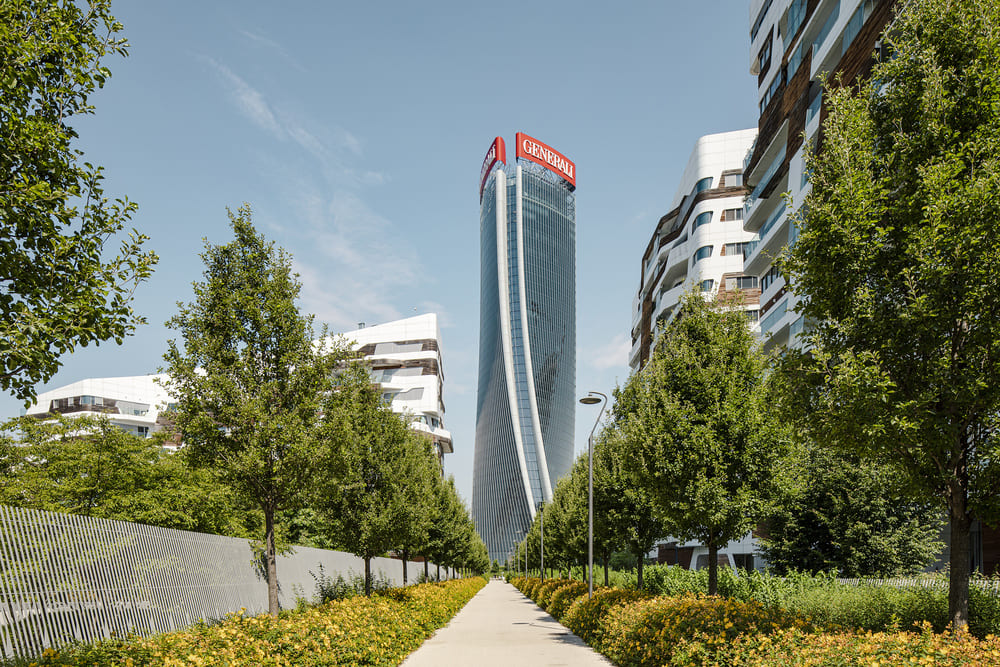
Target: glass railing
(777, 312)
(762, 184)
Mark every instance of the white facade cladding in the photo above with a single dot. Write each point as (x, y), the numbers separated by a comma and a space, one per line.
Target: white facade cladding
(404, 355)
(792, 44)
(527, 353)
(699, 244)
(136, 404)
(405, 360)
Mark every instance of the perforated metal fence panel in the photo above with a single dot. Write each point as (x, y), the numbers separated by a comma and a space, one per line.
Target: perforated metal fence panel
(65, 577)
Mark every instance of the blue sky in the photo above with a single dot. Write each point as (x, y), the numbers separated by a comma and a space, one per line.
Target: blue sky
(356, 131)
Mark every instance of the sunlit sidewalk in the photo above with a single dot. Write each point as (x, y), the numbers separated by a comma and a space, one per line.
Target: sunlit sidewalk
(499, 626)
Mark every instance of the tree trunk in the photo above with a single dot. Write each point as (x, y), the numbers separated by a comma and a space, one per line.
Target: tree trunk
(606, 559)
(713, 568)
(405, 554)
(961, 557)
(271, 561)
(427, 574)
(439, 572)
(368, 576)
(639, 571)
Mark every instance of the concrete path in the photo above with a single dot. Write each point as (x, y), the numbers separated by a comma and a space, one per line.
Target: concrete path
(500, 627)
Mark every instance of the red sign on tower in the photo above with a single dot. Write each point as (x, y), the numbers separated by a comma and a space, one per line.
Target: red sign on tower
(496, 153)
(534, 150)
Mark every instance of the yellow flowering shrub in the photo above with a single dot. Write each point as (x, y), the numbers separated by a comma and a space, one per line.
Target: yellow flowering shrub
(564, 596)
(801, 649)
(543, 594)
(584, 617)
(381, 630)
(647, 633)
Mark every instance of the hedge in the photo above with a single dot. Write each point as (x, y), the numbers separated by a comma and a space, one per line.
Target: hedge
(381, 630)
(635, 629)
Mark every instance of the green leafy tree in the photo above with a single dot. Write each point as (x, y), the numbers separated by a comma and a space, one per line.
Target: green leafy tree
(566, 518)
(88, 466)
(451, 533)
(697, 424)
(248, 380)
(841, 513)
(629, 511)
(362, 493)
(59, 287)
(420, 475)
(898, 268)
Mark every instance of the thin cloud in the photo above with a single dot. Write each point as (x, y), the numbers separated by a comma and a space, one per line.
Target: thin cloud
(274, 46)
(249, 100)
(613, 354)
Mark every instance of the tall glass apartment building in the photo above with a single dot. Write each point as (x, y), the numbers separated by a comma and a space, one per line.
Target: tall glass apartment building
(527, 339)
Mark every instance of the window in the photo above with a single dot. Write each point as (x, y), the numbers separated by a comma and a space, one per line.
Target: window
(706, 285)
(741, 282)
(703, 184)
(764, 56)
(796, 13)
(702, 253)
(769, 277)
(741, 248)
(743, 562)
(390, 348)
(771, 91)
(732, 179)
(702, 219)
(855, 23)
(678, 283)
(732, 214)
(760, 20)
(752, 315)
(410, 394)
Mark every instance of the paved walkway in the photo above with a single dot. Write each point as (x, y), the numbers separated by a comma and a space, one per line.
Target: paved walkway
(501, 627)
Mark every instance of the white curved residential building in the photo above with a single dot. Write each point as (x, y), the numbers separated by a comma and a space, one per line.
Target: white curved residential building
(137, 404)
(405, 359)
(700, 242)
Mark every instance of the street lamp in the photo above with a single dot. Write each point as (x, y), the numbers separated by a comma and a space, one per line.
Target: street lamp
(541, 540)
(520, 534)
(591, 399)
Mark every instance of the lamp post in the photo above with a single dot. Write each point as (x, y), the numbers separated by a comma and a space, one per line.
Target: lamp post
(541, 539)
(591, 399)
(520, 534)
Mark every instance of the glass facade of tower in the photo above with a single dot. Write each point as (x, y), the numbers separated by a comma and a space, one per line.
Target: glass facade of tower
(527, 349)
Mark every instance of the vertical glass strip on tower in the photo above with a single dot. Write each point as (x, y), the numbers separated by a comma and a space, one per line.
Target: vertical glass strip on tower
(527, 349)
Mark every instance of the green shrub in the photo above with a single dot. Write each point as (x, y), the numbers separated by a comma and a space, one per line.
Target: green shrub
(564, 597)
(585, 615)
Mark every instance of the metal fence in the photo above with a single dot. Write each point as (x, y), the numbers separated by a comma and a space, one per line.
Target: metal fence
(937, 583)
(66, 577)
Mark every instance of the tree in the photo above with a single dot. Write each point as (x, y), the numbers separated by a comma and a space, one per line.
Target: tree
(566, 518)
(421, 474)
(362, 492)
(451, 535)
(841, 513)
(898, 268)
(697, 422)
(59, 290)
(628, 510)
(249, 380)
(88, 466)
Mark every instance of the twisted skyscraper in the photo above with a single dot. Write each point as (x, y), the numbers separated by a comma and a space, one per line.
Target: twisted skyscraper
(527, 338)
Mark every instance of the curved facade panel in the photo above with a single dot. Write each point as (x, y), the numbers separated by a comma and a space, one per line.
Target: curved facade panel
(527, 353)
